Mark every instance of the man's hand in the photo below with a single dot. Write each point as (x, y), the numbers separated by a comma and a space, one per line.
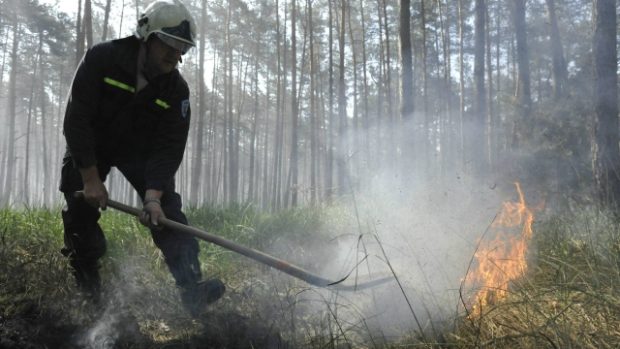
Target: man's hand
(95, 193)
(152, 211)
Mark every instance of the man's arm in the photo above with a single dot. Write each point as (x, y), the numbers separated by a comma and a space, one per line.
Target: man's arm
(168, 144)
(86, 90)
(78, 130)
(166, 154)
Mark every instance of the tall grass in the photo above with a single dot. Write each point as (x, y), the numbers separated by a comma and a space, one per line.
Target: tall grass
(569, 299)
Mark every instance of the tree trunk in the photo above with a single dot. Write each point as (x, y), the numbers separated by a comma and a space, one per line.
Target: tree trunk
(388, 86)
(106, 18)
(294, 109)
(47, 151)
(490, 130)
(233, 178)
(559, 63)
(460, 130)
(524, 98)
(426, 136)
(212, 139)
(477, 154)
(281, 87)
(26, 180)
(605, 151)
(342, 100)
(446, 125)
(314, 154)
(355, 114)
(406, 111)
(88, 23)
(406, 93)
(11, 111)
(365, 111)
(267, 136)
(196, 180)
(331, 138)
(79, 41)
(255, 112)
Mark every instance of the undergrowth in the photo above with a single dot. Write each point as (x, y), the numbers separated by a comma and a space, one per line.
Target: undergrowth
(570, 297)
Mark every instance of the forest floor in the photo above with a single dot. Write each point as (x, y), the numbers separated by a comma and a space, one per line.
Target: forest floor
(570, 298)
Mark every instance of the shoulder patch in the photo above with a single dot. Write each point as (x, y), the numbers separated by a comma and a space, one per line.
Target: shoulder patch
(184, 108)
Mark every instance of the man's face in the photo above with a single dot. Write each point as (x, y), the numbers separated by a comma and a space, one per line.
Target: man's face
(160, 58)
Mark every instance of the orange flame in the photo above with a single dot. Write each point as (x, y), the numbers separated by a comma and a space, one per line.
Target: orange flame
(503, 259)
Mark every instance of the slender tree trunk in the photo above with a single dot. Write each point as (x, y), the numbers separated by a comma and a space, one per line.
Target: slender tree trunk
(233, 178)
(460, 129)
(212, 189)
(267, 136)
(294, 108)
(342, 100)
(281, 87)
(497, 134)
(447, 130)
(331, 141)
(426, 134)
(381, 153)
(4, 54)
(524, 98)
(605, 150)
(88, 23)
(559, 63)
(388, 84)
(365, 110)
(314, 154)
(47, 152)
(252, 196)
(26, 180)
(477, 151)
(490, 130)
(106, 18)
(355, 114)
(196, 180)
(406, 92)
(79, 43)
(11, 113)
(406, 53)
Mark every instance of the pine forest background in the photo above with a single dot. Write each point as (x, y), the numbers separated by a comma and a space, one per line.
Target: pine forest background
(301, 102)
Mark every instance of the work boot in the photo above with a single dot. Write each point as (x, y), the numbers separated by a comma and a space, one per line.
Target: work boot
(195, 299)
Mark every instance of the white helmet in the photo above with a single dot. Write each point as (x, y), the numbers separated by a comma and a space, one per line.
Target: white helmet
(170, 21)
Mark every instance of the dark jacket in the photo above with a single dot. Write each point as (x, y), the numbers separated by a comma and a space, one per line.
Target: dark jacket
(108, 122)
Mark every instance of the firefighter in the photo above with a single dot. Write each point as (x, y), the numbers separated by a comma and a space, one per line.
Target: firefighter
(129, 108)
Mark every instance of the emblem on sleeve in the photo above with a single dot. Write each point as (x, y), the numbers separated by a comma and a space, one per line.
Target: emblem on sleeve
(184, 108)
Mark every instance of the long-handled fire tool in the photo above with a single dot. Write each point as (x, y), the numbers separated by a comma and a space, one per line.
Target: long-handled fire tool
(262, 257)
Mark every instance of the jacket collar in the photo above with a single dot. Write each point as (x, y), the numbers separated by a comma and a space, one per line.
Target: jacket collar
(127, 56)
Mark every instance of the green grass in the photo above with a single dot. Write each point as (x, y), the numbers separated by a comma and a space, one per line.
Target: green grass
(570, 297)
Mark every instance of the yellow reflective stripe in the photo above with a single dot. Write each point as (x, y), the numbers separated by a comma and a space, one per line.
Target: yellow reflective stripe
(119, 84)
(162, 104)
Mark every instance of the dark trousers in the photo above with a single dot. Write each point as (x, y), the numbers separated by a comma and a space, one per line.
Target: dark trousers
(85, 242)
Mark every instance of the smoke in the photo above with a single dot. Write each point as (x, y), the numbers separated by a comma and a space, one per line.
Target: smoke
(115, 320)
(421, 231)
(424, 236)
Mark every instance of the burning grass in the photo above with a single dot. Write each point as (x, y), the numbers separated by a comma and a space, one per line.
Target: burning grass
(567, 295)
(568, 299)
